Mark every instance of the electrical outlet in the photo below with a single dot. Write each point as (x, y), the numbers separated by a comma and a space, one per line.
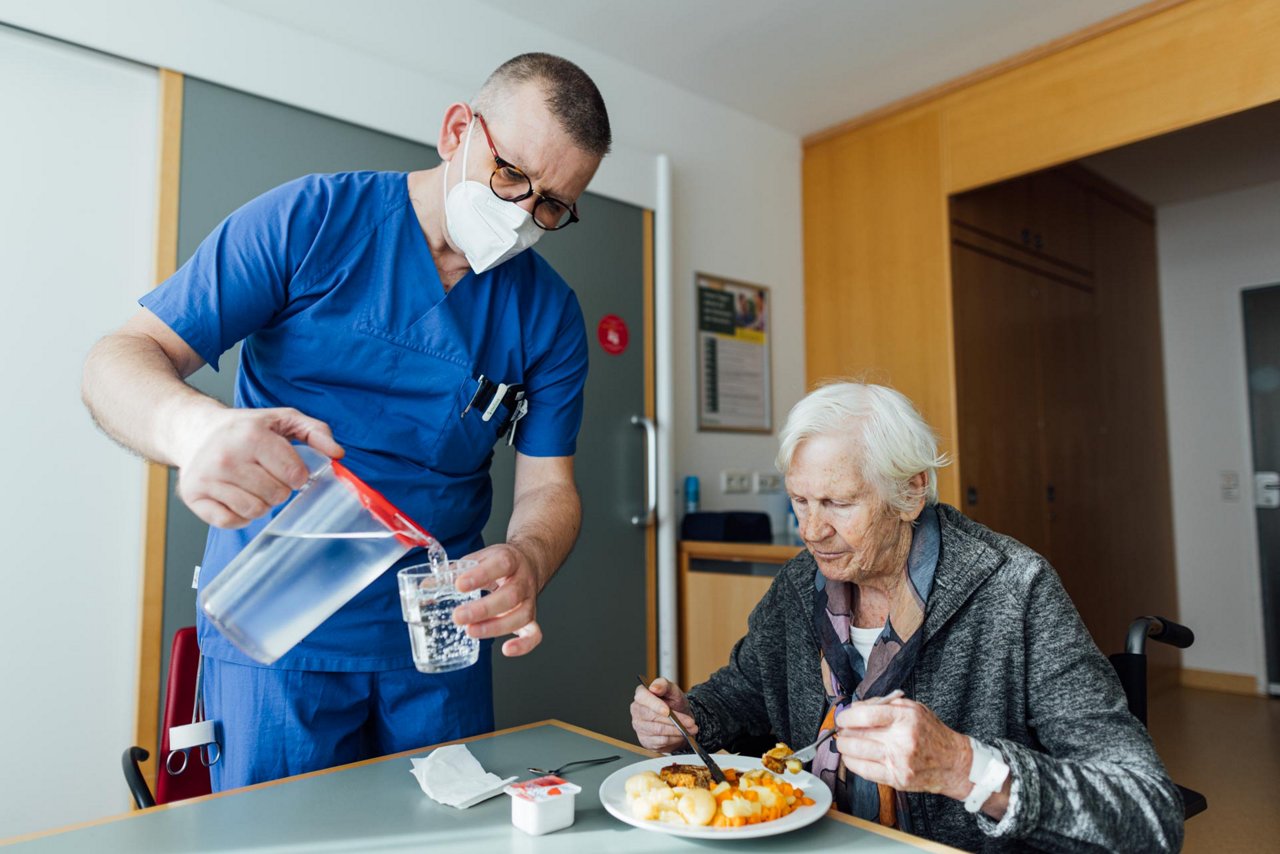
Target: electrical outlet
(735, 482)
(766, 482)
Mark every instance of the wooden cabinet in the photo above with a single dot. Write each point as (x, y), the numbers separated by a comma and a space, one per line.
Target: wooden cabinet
(719, 585)
(1058, 384)
(1043, 219)
(1071, 419)
(1060, 205)
(1133, 452)
(998, 388)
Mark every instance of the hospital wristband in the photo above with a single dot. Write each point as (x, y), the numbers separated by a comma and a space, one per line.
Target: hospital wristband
(987, 773)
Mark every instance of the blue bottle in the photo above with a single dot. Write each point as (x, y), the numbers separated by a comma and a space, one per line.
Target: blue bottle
(691, 494)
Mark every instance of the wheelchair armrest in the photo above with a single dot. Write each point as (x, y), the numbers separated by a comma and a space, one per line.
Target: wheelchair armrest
(1193, 803)
(133, 777)
(1158, 629)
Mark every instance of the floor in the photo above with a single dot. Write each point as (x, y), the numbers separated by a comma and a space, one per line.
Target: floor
(1227, 747)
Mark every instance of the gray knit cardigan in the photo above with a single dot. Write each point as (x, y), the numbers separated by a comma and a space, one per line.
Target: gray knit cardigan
(1007, 660)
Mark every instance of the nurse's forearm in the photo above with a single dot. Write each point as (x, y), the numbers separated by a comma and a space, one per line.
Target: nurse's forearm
(544, 525)
(136, 394)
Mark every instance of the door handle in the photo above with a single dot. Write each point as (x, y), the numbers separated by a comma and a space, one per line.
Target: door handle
(1266, 489)
(651, 468)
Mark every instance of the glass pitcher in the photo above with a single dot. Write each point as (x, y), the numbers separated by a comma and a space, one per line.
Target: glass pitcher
(334, 537)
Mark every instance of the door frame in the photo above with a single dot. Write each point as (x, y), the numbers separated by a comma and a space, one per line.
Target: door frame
(1270, 628)
(155, 502)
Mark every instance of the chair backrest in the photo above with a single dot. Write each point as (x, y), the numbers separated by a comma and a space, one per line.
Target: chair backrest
(179, 700)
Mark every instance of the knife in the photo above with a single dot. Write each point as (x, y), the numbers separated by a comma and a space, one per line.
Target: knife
(716, 773)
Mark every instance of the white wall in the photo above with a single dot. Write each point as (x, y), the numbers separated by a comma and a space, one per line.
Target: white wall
(76, 226)
(396, 64)
(1210, 249)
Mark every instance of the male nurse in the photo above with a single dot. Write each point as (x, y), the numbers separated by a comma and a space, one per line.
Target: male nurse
(374, 307)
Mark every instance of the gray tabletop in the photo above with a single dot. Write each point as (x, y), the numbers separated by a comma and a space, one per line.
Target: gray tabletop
(379, 807)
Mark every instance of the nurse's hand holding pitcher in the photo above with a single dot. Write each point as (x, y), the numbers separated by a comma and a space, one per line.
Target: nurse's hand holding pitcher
(242, 463)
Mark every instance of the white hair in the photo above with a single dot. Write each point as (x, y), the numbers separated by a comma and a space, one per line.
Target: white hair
(895, 444)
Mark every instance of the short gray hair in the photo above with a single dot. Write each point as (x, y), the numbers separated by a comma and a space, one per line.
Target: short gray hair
(895, 442)
(570, 95)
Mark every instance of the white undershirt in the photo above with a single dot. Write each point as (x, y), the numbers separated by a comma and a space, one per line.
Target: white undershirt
(863, 640)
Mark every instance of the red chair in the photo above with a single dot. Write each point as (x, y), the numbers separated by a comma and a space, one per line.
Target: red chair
(179, 698)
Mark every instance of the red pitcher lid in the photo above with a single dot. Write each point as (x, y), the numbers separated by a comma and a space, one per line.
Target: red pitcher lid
(408, 532)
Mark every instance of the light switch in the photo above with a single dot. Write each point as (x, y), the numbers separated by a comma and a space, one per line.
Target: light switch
(1230, 485)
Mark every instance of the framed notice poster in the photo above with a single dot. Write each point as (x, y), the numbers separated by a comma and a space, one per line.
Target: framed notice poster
(734, 376)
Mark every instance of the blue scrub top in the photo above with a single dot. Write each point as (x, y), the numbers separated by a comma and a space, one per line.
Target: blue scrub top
(330, 283)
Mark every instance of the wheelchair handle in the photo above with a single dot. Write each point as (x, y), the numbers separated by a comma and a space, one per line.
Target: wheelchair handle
(133, 776)
(1158, 629)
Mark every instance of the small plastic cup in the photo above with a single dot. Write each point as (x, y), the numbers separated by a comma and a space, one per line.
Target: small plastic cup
(427, 600)
(542, 805)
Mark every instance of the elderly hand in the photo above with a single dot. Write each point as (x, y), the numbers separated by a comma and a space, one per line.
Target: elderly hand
(902, 744)
(649, 715)
(510, 608)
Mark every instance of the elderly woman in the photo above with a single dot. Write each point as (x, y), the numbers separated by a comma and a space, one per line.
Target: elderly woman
(998, 723)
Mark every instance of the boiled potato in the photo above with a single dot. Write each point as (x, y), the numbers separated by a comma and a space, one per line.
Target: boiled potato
(765, 797)
(643, 782)
(739, 808)
(697, 806)
(654, 804)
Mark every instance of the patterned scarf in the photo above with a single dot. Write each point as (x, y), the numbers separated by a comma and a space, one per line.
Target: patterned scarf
(890, 663)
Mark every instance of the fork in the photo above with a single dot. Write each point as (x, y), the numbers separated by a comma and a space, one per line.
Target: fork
(580, 762)
(806, 754)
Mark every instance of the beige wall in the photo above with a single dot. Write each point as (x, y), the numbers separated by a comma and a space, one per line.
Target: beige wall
(1210, 250)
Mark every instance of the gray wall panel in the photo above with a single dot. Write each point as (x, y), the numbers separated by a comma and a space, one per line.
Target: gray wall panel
(234, 148)
(237, 146)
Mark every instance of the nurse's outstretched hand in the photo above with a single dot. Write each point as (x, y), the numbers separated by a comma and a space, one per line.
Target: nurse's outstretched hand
(242, 463)
(510, 607)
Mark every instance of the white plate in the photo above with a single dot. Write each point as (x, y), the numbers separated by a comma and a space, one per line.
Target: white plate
(613, 794)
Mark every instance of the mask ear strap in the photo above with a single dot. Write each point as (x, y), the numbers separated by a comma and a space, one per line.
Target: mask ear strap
(466, 150)
(466, 147)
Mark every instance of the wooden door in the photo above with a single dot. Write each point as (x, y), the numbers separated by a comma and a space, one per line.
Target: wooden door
(997, 310)
(1135, 501)
(1070, 393)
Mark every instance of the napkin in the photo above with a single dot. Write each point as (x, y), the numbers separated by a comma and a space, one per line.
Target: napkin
(452, 776)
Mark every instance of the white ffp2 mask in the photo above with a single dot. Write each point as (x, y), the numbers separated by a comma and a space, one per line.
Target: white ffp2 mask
(487, 229)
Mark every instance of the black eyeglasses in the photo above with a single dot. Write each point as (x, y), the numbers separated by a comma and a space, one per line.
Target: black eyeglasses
(510, 184)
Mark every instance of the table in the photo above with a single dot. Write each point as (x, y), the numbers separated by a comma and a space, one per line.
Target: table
(376, 806)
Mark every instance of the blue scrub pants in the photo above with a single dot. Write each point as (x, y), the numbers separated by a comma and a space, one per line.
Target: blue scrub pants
(277, 723)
